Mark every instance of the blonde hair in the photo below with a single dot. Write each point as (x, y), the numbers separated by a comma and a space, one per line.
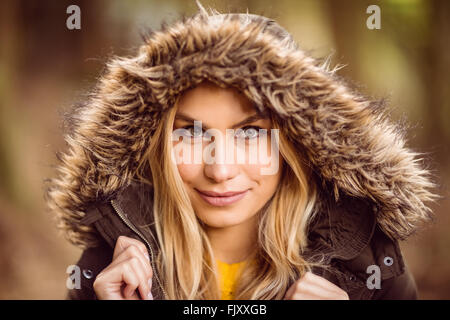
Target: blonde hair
(186, 260)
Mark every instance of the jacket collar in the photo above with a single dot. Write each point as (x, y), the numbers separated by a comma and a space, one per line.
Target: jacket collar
(351, 224)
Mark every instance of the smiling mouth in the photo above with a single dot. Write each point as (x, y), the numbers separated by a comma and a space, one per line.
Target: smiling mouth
(222, 199)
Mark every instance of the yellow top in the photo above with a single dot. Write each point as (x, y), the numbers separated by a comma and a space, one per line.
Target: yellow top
(228, 275)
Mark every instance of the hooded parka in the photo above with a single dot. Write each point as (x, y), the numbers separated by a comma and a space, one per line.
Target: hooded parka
(372, 189)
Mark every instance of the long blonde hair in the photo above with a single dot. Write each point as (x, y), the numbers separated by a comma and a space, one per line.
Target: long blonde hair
(186, 260)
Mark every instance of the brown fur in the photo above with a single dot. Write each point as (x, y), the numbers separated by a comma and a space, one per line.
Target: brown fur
(346, 138)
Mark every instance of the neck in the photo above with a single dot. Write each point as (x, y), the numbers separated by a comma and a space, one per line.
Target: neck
(234, 244)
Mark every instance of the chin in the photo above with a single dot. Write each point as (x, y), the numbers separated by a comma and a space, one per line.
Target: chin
(221, 219)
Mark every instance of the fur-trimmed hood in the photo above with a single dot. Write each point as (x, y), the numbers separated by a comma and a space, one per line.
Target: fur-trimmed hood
(346, 137)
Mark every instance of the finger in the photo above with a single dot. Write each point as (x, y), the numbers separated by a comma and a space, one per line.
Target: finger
(320, 281)
(313, 290)
(124, 242)
(308, 276)
(130, 287)
(131, 269)
(109, 282)
(312, 296)
(130, 252)
(290, 292)
(150, 295)
(135, 266)
(305, 296)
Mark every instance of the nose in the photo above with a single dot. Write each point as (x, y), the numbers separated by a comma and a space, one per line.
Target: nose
(218, 167)
(219, 172)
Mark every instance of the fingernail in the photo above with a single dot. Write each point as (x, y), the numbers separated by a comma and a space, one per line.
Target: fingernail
(150, 283)
(150, 296)
(147, 256)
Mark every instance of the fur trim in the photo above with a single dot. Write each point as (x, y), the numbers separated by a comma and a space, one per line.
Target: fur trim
(347, 139)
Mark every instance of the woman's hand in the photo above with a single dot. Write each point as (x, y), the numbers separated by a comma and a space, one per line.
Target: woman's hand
(129, 270)
(314, 287)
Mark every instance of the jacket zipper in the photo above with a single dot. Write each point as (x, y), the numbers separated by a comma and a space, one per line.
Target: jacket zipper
(119, 212)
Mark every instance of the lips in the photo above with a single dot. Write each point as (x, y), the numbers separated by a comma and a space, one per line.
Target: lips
(221, 199)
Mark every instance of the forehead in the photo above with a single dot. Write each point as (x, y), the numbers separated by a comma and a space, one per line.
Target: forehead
(209, 99)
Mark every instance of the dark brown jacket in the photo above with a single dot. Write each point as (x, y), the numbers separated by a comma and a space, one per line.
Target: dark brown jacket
(373, 188)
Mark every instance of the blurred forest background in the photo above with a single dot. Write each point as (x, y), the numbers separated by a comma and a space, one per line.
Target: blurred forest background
(45, 68)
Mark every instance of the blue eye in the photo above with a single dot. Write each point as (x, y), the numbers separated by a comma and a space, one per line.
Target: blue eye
(248, 132)
(197, 131)
(194, 131)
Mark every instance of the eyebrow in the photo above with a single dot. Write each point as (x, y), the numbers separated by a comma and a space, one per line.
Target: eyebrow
(252, 118)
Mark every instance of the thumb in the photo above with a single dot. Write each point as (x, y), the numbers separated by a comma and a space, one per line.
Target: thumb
(290, 291)
(150, 295)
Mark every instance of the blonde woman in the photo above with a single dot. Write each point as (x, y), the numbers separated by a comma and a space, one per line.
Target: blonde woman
(144, 191)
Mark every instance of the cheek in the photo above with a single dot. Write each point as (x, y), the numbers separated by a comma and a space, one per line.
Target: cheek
(265, 184)
(265, 163)
(190, 172)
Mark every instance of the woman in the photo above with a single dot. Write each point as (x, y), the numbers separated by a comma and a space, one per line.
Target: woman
(321, 219)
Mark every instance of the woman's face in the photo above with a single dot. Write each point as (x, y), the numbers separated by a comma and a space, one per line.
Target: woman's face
(223, 109)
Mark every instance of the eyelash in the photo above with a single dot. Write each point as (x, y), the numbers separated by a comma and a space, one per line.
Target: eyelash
(244, 128)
